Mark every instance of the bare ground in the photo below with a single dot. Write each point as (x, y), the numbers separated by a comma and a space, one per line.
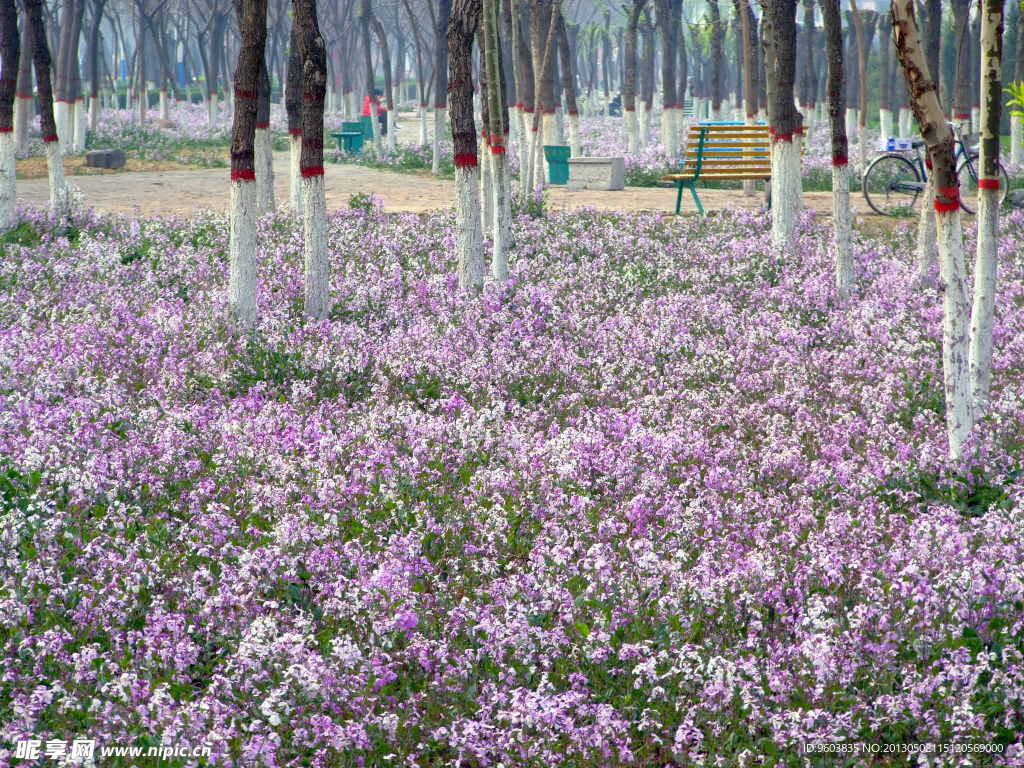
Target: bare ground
(166, 191)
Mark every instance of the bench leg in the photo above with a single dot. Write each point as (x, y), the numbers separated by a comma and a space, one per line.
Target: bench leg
(700, 208)
(679, 196)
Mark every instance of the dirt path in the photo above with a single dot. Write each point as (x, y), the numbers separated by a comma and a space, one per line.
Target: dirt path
(185, 192)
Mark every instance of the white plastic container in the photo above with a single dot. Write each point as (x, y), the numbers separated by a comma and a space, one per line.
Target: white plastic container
(894, 145)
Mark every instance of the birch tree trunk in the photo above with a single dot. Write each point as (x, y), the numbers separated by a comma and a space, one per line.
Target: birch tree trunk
(841, 219)
(10, 53)
(784, 121)
(252, 23)
(444, 11)
(24, 103)
(983, 312)
(317, 267)
(469, 245)
(939, 138)
(498, 119)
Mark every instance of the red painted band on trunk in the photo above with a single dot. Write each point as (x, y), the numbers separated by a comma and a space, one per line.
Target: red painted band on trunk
(630, 109)
(783, 137)
(928, 163)
(751, 114)
(163, 90)
(311, 171)
(961, 115)
(497, 150)
(549, 111)
(243, 174)
(840, 161)
(573, 112)
(48, 139)
(519, 105)
(240, 94)
(25, 96)
(952, 195)
(946, 207)
(440, 106)
(6, 129)
(295, 131)
(528, 110)
(465, 160)
(982, 183)
(264, 126)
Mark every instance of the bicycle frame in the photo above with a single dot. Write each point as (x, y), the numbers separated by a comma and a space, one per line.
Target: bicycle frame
(961, 151)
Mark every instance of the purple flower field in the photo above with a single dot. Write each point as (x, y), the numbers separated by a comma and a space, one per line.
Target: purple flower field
(661, 499)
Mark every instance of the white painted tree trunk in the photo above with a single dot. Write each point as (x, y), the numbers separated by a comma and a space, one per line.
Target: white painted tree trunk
(885, 119)
(317, 266)
(469, 242)
(851, 122)
(798, 179)
(560, 127)
(58, 184)
(78, 146)
(668, 131)
(575, 139)
(645, 125)
(1016, 139)
(181, 113)
(94, 111)
(956, 368)
(264, 172)
(842, 222)
(983, 312)
(295, 145)
(523, 145)
(60, 117)
(23, 109)
(927, 243)
(143, 106)
(165, 107)
(783, 183)
(550, 128)
(213, 107)
(976, 119)
(632, 132)
(378, 144)
(8, 180)
(750, 186)
(424, 130)
(392, 133)
(905, 117)
(439, 127)
(502, 234)
(242, 253)
(486, 187)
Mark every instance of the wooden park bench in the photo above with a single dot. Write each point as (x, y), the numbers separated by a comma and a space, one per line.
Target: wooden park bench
(723, 152)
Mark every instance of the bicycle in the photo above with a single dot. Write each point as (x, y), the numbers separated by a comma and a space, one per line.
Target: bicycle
(893, 182)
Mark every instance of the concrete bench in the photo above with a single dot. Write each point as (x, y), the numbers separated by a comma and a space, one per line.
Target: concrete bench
(604, 173)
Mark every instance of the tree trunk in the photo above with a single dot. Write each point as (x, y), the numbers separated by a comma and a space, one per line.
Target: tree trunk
(252, 24)
(60, 85)
(465, 17)
(716, 60)
(94, 63)
(41, 56)
(569, 86)
(939, 138)
(807, 79)
(962, 81)
(1017, 121)
(444, 11)
(983, 312)
(747, 25)
(974, 37)
(862, 82)
(25, 102)
(364, 25)
(293, 104)
(311, 166)
(491, 61)
(10, 54)
(785, 121)
(389, 94)
(668, 12)
(629, 90)
(884, 78)
(264, 150)
(832, 18)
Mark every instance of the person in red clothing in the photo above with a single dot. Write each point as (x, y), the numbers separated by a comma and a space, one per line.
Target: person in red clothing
(382, 114)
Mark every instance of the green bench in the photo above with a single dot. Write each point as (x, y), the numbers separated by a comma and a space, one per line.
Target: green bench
(351, 138)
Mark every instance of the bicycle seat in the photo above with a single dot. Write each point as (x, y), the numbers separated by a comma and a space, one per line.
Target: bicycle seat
(917, 143)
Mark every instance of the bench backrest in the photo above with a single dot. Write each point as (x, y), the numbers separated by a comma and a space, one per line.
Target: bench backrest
(728, 150)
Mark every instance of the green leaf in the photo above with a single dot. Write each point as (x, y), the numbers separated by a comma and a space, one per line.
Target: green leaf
(583, 629)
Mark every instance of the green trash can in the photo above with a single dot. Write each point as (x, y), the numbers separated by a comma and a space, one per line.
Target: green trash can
(558, 164)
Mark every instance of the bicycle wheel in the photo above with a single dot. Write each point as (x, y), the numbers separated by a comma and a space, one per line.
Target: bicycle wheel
(968, 174)
(890, 185)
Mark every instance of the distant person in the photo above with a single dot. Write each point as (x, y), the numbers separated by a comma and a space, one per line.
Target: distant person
(382, 114)
(615, 106)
